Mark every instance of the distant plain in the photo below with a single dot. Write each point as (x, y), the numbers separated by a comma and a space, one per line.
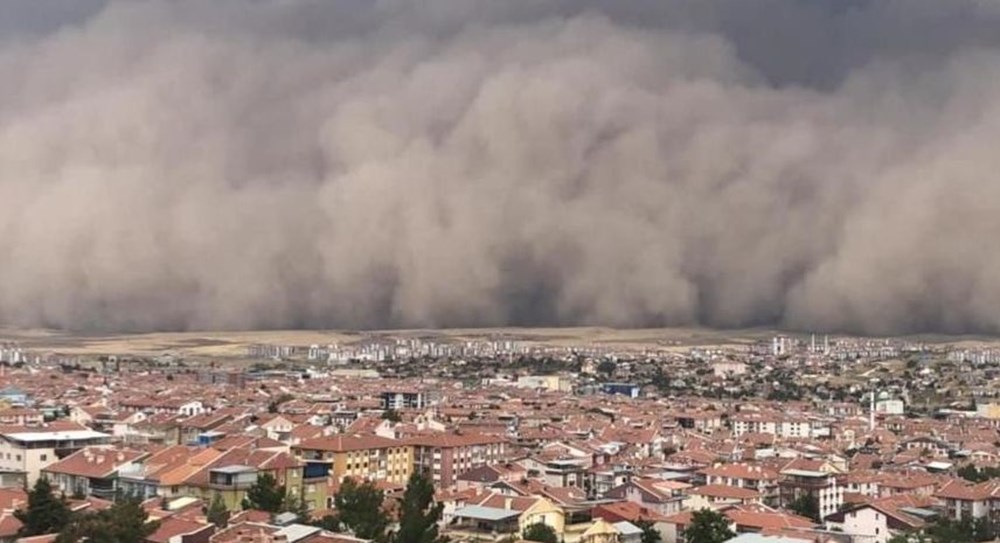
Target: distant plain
(233, 344)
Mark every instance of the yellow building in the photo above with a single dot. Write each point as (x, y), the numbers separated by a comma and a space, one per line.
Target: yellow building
(545, 512)
(371, 458)
(231, 475)
(988, 410)
(601, 531)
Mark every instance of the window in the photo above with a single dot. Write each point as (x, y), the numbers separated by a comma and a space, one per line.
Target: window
(18, 458)
(44, 457)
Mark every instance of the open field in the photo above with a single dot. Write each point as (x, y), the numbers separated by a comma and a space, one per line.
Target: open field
(230, 344)
(233, 343)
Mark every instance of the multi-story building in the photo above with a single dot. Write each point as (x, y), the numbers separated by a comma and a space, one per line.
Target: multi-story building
(795, 427)
(232, 474)
(746, 423)
(883, 519)
(624, 389)
(822, 486)
(446, 456)
(33, 449)
(176, 406)
(367, 457)
(553, 383)
(403, 399)
(92, 471)
(754, 477)
(967, 501)
(705, 422)
(659, 497)
(21, 416)
(207, 472)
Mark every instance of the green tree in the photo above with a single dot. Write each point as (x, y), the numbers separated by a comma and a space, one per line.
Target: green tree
(541, 532)
(360, 509)
(806, 505)
(969, 473)
(649, 532)
(946, 530)
(123, 522)
(983, 529)
(660, 380)
(275, 405)
(265, 494)
(294, 504)
(328, 522)
(217, 512)
(392, 415)
(607, 367)
(708, 526)
(419, 514)
(45, 514)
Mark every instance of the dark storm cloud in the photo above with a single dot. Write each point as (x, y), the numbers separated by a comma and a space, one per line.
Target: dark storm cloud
(812, 164)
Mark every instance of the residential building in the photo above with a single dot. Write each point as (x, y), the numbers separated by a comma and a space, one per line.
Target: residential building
(32, 449)
(629, 390)
(446, 456)
(883, 519)
(92, 471)
(404, 399)
(822, 486)
(366, 457)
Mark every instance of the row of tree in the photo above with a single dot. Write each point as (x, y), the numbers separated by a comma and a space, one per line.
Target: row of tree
(124, 522)
(360, 506)
(361, 509)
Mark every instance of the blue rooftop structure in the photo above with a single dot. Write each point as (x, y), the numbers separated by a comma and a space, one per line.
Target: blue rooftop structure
(15, 396)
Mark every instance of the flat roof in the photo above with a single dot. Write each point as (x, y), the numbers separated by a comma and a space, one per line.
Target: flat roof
(234, 469)
(480, 512)
(627, 528)
(296, 532)
(761, 538)
(919, 512)
(68, 435)
(805, 473)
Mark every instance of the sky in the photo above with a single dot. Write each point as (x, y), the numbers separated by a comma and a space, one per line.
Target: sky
(820, 165)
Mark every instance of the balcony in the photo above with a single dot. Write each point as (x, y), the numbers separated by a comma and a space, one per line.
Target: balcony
(794, 478)
(103, 488)
(232, 477)
(316, 470)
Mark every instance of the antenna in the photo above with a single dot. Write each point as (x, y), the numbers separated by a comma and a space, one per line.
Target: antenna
(871, 411)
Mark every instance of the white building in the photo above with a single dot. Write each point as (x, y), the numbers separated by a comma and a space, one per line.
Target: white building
(883, 519)
(820, 485)
(31, 450)
(729, 368)
(553, 383)
(890, 406)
